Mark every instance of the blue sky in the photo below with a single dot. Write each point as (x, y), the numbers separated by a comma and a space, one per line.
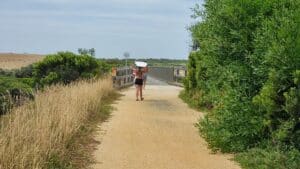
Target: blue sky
(144, 28)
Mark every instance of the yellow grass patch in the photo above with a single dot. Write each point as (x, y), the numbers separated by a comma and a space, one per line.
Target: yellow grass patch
(15, 61)
(33, 132)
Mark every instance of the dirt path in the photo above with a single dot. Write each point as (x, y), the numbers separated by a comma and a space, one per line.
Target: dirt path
(158, 133)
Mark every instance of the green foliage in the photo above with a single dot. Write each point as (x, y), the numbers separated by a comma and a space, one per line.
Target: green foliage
(7, 83)
(246, 66)
(13, 92)
(90, 52)
(270, 158)
(104, 66)
(56, 162)
(6, 72)
(233, 126)
(16, 86)
(66, 67)
(24, 72)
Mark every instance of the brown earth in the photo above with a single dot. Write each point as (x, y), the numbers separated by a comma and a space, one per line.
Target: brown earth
(158, 133)
(15, 61)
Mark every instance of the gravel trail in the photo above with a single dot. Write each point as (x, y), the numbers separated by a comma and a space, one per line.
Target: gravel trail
(158, 133)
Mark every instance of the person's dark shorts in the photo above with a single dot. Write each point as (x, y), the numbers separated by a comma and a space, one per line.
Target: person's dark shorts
(138, 82)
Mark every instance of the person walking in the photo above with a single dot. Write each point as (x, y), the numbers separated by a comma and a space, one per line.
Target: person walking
(139, 74)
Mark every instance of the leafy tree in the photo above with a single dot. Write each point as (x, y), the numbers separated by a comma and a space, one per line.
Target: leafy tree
(91, 52)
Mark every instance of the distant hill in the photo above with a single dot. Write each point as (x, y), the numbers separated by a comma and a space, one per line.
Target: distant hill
(14, 61)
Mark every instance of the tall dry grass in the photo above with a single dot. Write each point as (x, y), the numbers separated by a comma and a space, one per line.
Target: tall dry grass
(31, 133)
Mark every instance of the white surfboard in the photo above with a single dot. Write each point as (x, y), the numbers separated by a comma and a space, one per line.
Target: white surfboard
(140, 64)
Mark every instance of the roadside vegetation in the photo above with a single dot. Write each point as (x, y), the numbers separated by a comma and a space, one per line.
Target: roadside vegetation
(81, 146)
(245, 70)
(62, 68)
(48, 107)
(37, 134)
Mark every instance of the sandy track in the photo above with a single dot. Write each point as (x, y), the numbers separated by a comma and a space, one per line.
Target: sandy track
(158, 133)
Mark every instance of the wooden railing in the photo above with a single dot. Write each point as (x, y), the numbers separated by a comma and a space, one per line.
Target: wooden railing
(122, 77)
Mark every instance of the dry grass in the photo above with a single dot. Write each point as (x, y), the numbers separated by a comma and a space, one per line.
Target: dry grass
(31, 134)
(80, 149)
(15, 61)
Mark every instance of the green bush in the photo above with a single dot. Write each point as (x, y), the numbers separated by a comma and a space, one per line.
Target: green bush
(245, 67)
(24, 72)
(6, 72)
(270, 158)
(279, 97)
(7, 83)
(13, 92)
(104, 67)
(66, 67)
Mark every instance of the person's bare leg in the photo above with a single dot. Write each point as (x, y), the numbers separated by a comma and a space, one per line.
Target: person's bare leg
(137, 92)
(141, 92)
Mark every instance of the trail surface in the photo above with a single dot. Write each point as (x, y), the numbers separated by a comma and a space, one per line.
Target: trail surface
(157, 133)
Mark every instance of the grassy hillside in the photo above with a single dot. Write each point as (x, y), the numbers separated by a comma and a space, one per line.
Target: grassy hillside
(15, 61)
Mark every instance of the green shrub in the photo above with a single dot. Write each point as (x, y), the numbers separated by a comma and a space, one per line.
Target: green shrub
(270, 158)
(7, 83)
(104, 67)
(13, 92)
(66, 67)
(279, 97)
(24, 72)
(234, 126)
(6, 72)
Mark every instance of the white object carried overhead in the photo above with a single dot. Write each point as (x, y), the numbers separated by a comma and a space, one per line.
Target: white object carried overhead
(140, 64)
